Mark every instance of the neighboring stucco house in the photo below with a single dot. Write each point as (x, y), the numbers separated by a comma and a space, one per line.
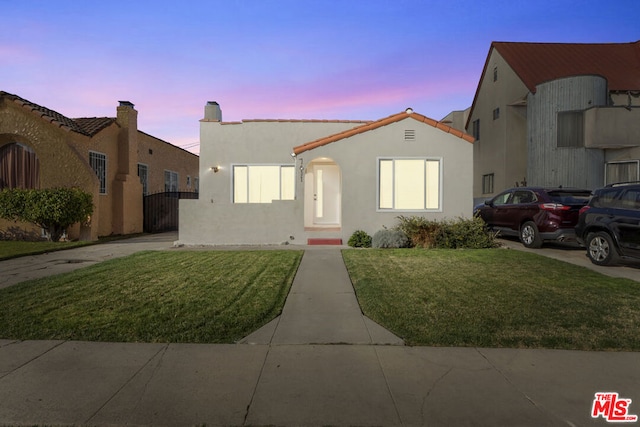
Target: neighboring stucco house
(318, 181)
(553, 114)
(105, 156)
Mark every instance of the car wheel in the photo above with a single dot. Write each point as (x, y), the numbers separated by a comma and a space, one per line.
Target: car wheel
(600, 248)
(529, 235)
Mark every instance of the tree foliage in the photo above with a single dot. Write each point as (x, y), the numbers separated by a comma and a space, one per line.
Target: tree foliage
(53, 209)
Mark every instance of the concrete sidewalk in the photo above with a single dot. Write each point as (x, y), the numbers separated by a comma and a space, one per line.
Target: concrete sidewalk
(320, 363)
(20, 269)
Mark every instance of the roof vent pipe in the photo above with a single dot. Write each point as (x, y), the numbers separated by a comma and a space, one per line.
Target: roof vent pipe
(212, 111)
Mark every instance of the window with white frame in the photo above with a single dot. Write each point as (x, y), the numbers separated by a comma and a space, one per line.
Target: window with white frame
(170, 180)
(409, 184)
(143, 174)
(98, 162)
(627, 171)
(263, 183)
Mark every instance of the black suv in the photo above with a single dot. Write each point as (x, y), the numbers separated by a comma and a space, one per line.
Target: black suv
(609, 226)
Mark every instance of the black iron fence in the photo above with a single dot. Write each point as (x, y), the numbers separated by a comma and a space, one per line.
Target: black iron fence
(161, 210)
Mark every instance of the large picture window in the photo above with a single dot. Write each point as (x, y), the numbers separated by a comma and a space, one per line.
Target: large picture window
(263, 183)
(98, 162)
(19, 167)
(409, 184)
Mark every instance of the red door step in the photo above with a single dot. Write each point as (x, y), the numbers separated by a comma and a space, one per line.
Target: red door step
(324, 241)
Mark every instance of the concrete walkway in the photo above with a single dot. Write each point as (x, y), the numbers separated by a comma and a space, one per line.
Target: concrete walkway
(320, 363)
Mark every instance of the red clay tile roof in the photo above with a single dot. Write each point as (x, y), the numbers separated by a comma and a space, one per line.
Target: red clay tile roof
(377, 124)
(535, 63)
(292, 121)
(93, 125)
(84, 126)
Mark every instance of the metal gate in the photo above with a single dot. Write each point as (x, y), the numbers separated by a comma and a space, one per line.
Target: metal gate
(160, 210)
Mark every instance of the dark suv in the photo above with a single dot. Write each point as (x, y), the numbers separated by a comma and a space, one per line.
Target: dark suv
(535, 214)
(609, 226)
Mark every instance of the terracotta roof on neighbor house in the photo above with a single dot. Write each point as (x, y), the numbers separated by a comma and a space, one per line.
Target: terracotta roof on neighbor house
(84, 126)
(293, 121)
(536, 63)
(409, 113)
(93, 125)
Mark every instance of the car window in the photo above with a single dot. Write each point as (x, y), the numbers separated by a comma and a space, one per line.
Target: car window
(501, 199)
(605, 198)
(570, 197)
(630, 200)
(523, 196)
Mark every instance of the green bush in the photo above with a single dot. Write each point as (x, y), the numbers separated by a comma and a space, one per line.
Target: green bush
(390, 239)
(359, 239)
(447, 234)
(54, 209)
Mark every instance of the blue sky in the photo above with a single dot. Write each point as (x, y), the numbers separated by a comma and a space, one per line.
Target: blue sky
(276, 59)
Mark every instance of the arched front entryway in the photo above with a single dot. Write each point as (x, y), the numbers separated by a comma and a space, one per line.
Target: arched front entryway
(322, 194)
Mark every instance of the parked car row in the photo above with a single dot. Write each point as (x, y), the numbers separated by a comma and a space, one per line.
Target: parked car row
(605, 221)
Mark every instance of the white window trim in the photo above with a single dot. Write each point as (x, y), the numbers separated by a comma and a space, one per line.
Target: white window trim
(248, 165)
(440, 184)
(143, 190)
(177, 180)
(106, 172)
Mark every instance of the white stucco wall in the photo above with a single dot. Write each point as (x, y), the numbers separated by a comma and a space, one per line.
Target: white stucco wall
(213, 219)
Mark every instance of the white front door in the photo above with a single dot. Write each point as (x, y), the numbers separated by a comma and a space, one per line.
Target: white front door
(326, 194)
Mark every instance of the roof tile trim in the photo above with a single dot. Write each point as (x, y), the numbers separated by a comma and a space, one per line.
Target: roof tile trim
(380, 123)
(88, 127)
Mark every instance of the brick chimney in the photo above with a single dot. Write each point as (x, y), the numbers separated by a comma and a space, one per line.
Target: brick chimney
(212, 112)
(127, 118)
(127, 189)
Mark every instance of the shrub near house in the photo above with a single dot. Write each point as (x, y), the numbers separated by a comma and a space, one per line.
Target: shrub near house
(447, 234)
(53, 209)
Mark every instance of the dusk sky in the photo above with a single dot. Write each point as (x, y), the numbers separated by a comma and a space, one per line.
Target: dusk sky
(276, 59)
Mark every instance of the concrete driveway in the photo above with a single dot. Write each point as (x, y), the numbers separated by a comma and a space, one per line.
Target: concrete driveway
(578, 256)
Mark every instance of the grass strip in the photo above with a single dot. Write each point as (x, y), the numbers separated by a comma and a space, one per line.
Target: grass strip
(154, 296)
(494, 298)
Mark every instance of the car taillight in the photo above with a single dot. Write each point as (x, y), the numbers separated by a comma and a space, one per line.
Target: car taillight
(554, 207)
(584, 209)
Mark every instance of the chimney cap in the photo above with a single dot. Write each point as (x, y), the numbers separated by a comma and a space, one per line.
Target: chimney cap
(212, 103)
(126, 104)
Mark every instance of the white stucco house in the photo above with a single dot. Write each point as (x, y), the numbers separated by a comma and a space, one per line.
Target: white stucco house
(318, 181)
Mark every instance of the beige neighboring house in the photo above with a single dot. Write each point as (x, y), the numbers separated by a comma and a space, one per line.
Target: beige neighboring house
(550, 114)
(318, 181)
(105, 156)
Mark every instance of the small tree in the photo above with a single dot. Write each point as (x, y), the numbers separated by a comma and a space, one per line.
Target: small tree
(53, 209)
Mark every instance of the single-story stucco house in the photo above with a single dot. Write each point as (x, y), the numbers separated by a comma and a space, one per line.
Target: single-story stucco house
(318, 181)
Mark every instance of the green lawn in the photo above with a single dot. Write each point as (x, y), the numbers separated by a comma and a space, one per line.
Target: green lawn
(157, 296)
(15, 248)
(494, 298)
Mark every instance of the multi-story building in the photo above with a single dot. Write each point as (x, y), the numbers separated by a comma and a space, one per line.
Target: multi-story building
(554, 114)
